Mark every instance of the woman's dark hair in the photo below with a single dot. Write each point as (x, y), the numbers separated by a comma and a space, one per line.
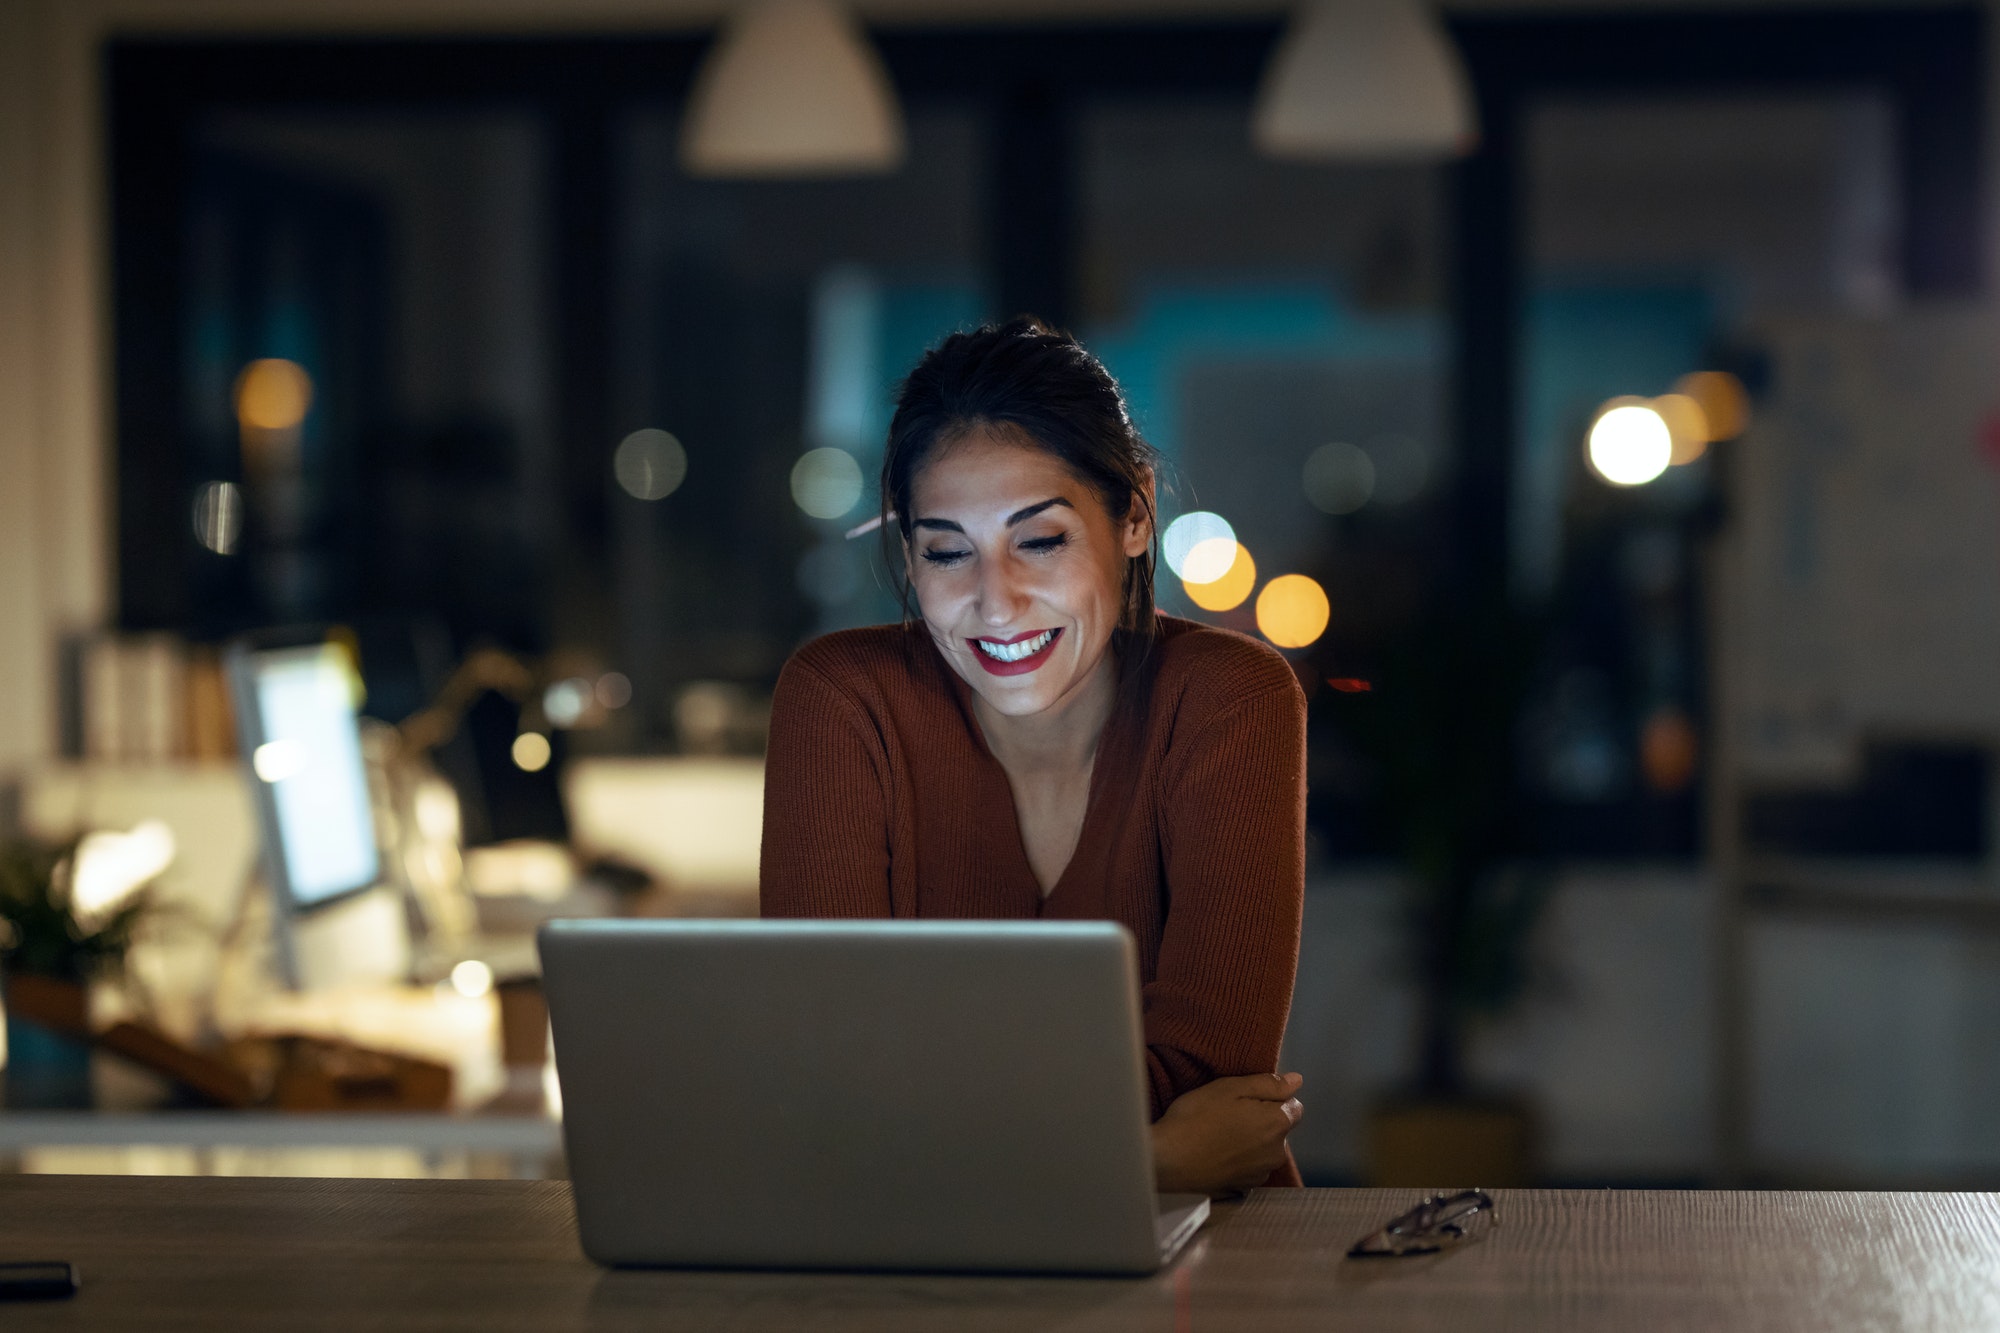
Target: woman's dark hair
(1044, 387)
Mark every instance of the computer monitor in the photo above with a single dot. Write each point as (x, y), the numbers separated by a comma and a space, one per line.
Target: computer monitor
(332, 921)
(301, 745)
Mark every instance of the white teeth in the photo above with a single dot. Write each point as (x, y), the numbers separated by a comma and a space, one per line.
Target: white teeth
(1014, 652)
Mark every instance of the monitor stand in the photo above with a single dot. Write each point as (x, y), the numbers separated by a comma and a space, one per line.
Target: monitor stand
(358, 940)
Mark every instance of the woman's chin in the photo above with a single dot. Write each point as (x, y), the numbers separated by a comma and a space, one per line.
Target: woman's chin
(1015, 696)
(1015, 701)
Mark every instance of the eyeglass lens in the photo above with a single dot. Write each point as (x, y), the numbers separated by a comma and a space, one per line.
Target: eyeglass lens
(1435, 1222)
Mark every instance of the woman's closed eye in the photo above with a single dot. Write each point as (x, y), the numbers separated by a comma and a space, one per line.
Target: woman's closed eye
(945, 557)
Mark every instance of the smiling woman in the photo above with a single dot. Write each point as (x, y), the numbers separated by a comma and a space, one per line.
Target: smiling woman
(1035, 740)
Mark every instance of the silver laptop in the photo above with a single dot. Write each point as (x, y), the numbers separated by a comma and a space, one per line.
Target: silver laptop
(869, 1095)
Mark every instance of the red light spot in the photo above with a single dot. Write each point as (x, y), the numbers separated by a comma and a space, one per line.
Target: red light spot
(1989, 437)
(1350, 684)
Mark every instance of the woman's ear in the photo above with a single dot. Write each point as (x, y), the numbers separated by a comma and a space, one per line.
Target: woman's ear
(1136, 532)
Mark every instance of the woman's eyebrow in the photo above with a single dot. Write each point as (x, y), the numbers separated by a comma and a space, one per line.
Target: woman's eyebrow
(1018, 516)
(1023, 515)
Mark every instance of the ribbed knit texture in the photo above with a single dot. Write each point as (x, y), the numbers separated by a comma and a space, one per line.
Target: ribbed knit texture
(881, 799)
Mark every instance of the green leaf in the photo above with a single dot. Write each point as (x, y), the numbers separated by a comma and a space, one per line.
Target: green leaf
(38, 932)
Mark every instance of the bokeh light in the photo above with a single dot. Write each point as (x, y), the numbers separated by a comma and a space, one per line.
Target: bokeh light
(1209, 560)
(1292, 611)
(1630, 443)
(1230, 590)
(1669, 751)
(110, 867)
(472, 978)
(1724, 401)
(650, 464)
(1194, 529)
(218, 516)
(566, 701)
(1339, 478)
(273, 394)
(614, 689)
(1686, 423)
(826, 483)
(532, 752)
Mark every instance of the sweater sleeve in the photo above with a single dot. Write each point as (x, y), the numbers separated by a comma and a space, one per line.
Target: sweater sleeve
(1234, 841)
(825, 849)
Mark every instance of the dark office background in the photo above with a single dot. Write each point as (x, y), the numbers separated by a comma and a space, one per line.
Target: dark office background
(488, 259)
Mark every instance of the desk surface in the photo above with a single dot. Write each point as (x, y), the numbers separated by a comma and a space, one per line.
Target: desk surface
(498, 1255)
(426, 1132)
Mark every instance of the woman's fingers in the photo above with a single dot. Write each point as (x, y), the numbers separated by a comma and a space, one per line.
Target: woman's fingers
(1264, 1087)
(1228, 1134)
(1277, 1087)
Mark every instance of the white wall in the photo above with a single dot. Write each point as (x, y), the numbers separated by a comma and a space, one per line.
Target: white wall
(52, 573)
(21, 664)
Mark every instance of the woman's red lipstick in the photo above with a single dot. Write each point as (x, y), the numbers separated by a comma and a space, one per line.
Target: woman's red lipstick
(996, 667)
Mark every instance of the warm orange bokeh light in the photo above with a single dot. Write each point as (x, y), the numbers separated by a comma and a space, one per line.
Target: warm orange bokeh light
(1209, 560)
(1292, 611)
(1686, 423)
(273, 394)
(1669, 751)
(1230, 591)
(1723, 399)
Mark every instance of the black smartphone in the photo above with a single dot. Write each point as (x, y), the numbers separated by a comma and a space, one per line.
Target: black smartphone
(37, 1282)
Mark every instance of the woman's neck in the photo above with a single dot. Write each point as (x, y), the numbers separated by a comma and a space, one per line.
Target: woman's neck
(1061, 738)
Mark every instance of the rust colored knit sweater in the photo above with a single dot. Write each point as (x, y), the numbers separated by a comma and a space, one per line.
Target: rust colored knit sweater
(881, 799)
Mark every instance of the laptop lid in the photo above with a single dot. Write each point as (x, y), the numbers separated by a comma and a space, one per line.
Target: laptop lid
(880, 1094)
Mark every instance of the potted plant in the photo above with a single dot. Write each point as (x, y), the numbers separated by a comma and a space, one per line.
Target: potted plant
(1439, 730)
(49, 953)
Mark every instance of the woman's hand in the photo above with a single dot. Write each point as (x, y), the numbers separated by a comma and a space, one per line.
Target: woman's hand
(1225, 1136)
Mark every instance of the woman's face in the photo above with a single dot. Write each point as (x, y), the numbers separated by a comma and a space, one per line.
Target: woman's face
(1018, 569)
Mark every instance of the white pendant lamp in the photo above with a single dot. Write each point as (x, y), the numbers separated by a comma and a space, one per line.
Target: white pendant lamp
(792, 88)
(1364, 79)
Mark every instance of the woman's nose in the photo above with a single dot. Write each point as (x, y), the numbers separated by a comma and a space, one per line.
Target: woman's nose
(1001, 598)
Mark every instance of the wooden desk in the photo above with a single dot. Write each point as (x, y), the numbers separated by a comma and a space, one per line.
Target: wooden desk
(522, 1147)
(195, 1253)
